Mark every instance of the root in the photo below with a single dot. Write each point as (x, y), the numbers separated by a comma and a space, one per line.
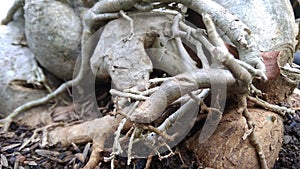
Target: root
(130, 144)
(34, 138)
(149, 160)
(87, 51)
(251, 132)
(237, 31)
(115, 92)
(152, 138)
(143, 93)
(117, 149)
(126, 17)
(155, 133)
(176, 87)
(222, 54)
(97, 130)
(95, 157)
(255, 141)
(159, 80)
(275, 108)
(102, 7)
(12, 10)
(160, 157)
(182, 51)
(9, 119)
(162, 98)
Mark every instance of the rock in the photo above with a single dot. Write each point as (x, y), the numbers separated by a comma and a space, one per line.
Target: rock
(17, 65)
(226, 148)
(53, 32)
(277, 33)
(287, 139)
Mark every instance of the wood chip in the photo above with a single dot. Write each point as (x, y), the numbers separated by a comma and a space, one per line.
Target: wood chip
(80, 157)
(86, 150)
(33, 163)
(11, 146)
(75, 147)
(8, 135)
(4, 161)
(21, 158)
(46, 153)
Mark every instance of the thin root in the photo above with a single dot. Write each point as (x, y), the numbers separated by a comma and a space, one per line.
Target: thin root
(115, 92)
(9, 119)
(275, 108)
(123, 14)
(149, 160)
(253, 136)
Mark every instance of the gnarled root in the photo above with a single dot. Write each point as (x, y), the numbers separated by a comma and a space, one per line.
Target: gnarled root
(176, 87)
(97, 131)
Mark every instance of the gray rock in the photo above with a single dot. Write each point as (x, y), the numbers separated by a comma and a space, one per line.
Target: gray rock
(271, 23)
(53, 32)
(17, 65)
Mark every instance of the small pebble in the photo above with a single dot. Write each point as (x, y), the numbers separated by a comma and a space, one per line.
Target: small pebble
(287, 139)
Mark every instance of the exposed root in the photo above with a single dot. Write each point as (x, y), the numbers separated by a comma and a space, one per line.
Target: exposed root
(160, 157)
(255, 141)
(34, 138)
(115, 92)
(12, 10)
(95, 157)
(186, 98)
(143, 93)
(251, 132)
(9, 119)
(149, 160)
(254, 72)
(176, 87)
(97, 130)
(159, 80)
(117, 149)
(275, 108)
(255, 91)
(223, 55)
(177, 151)
(182, 51)
(130, 144)
(157, 132)
(123, 14)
